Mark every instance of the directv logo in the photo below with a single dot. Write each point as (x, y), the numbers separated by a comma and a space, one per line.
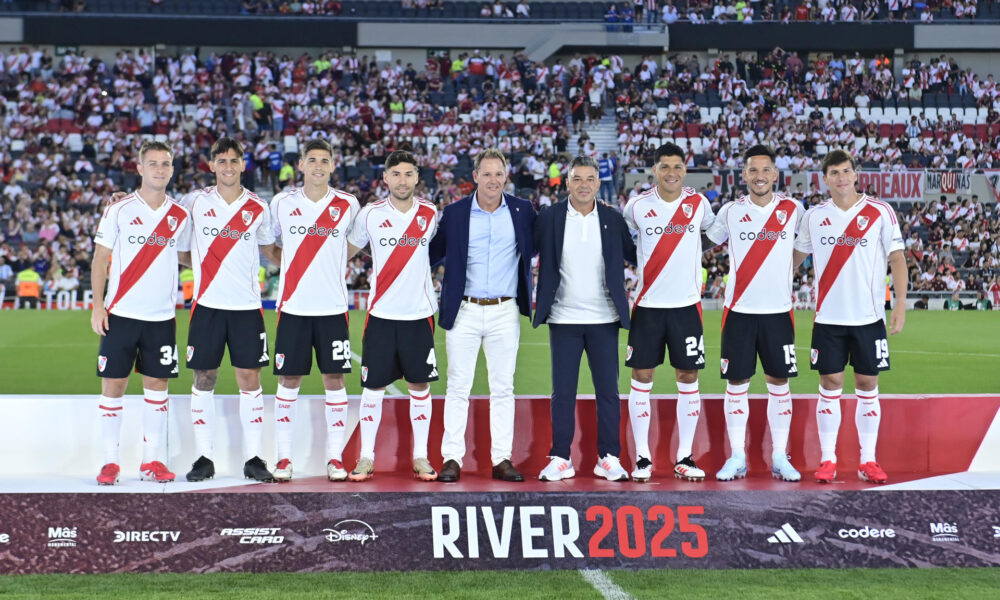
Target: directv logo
(785, 535)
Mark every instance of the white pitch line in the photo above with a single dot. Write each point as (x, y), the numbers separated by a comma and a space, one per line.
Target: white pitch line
(391, 389)
(603, 584)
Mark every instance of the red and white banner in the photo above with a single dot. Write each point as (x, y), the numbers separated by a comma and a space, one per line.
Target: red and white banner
(895, 186)
(948, 182)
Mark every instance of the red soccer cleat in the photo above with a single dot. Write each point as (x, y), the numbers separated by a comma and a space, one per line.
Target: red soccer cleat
(155, 471)
(109, 474)
(872, 473)
(827, 471)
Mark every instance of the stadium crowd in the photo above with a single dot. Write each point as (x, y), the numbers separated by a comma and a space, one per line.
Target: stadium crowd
(72, 124)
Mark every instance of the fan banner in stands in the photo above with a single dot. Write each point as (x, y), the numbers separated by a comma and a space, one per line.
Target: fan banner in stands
(948, 182)
(253, 532)
(894, 186)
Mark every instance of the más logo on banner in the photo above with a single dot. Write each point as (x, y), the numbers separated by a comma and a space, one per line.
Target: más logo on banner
(866, 532)
(361, 532)
(62, 537)
(944, 532)
(146, 536)
(255, 535)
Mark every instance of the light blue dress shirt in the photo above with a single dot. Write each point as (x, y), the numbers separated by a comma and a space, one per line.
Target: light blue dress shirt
(492, 268)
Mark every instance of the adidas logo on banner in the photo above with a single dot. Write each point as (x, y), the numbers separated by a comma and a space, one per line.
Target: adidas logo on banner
(651, 214)
(385, 224)
(295, 213)
(136, 221)
(826, 223)
(210, 213)
(746, 219)
(785, 535)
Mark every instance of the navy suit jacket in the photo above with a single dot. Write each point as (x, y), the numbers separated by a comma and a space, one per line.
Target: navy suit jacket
(451, 246)
(616, 244)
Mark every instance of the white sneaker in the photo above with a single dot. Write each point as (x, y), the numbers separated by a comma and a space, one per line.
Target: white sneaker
(643, 470)
(335, 470)
(735, 468)
(783, 470)
(559, 468)
(283, 470)
(611, 469)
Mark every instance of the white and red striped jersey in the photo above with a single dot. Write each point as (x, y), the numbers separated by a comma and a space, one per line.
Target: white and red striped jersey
(761, 240)
(850, 251)
(224, 248)
(142, 280)
(669, 246)
(401, 286)
(313, 237)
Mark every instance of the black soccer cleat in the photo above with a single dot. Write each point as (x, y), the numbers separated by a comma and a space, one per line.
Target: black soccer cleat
(201, 470)
(256, 469)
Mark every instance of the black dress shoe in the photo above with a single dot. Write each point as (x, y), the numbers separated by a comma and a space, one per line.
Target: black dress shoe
(450, 472)
(507, 472)
(202, 469)
(256, 469)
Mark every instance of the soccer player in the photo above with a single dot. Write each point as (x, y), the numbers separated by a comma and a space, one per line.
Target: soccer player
(399, 331)
(312, 223)
(757, 314)
(851, 236)
(668, 221)
(141, 236)
(231, 227)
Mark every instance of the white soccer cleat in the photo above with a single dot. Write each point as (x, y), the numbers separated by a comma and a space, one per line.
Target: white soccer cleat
(283, 470)
(686, 469)
(735, 468)
(559, 468)
(423, 470)
(643, 470)
(364, 470)
(335, 470)
(611, 469)
(783, 470)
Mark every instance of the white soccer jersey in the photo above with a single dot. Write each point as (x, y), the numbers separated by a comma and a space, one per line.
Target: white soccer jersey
(401, 286)
(225, 240)
(142, 280)
(850, 251)
(761, 240)
(314, 250)
(669, 246)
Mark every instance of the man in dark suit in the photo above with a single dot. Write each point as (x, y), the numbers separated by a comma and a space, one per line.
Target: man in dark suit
(487, 242)
(582, 247)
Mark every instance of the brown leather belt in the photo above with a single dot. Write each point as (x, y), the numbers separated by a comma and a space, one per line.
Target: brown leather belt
(486, 301)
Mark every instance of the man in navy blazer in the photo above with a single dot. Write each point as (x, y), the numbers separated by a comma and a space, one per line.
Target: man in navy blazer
(582, 248)
(487, 243)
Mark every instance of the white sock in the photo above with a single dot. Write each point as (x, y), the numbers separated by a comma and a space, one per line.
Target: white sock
(203, 420)
(420, 420)
(154, 425)
(737, 415)
(779, 417)
(252, 418)
(867, 417)
(639, 416)
(110, 411)
(371, 416)
(285, 401)
(688, 410)
(828, 422)
(336, 423)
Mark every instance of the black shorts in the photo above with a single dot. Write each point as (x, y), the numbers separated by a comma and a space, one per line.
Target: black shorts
(394, 349)
(298, 336)
(865, 346)
(212, 330)
(655, 331)
(149, 346)
(745, 336)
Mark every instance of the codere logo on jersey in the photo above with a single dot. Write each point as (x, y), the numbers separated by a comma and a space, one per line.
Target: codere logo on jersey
(226, 232)
(671, 229)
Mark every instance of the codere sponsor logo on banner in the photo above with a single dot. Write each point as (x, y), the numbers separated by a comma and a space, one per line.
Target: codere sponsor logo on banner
(146, 536)
(255, 535)
(866, 532)
(945, 532)
(62, 537)
(351, 530)
(4, 538)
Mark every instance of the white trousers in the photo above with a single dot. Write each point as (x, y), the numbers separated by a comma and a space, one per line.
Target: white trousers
(497, 329)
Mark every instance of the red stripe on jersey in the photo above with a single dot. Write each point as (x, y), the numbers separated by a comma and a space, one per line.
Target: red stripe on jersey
(310, 247)
(761, 249)
(221, 246)
(840, 254)
(145, 257)
(725, 313)
(401, 254)
(666, 246)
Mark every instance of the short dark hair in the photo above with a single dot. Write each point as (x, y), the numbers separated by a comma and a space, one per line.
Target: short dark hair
(151, 145)
(400, 156)
(836, 157)
(668, 149)
(758, 150)
(317, 144)
(225, 144)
